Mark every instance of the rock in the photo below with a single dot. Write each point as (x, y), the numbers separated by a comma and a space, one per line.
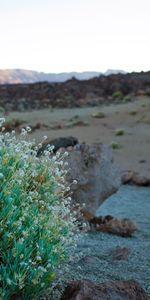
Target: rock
(13, 124)
(39, 126)
(56, 126)
(89, 259)
(140, 180)
(111, 290)
(75, 123)
(131, 177)
(126, 177)
(142, 161)
(62, 142)
(120, 253)
(73, 93)
(122, 227)
(96, 173)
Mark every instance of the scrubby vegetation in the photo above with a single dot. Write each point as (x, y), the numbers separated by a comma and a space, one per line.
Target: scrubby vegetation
(118, 95)
(127, 98)
(119, 131)
(37, 228)
(133, 113)
(98, 114)
(115, 145)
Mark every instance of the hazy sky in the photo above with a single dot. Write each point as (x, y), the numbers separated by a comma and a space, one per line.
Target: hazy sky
(75, 35)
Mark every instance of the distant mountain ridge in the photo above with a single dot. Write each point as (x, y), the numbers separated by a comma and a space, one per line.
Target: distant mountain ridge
(12, 76)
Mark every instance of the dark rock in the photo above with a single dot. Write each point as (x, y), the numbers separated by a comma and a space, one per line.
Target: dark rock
(131, 177)
(142, 161)
(62, 142)
(89, 259)
(78, 123)
(73, 93)
(111, 290)
(38, 126)
(96, 173)
(122, 227)
(13, 124)
(120, 253)
(139, 180)
(127, 177)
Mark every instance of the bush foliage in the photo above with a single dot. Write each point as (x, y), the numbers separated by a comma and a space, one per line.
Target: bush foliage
(36, 226)
(119, 132)
(117, 95)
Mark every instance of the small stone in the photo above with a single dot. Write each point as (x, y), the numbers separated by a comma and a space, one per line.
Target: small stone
(120, 253)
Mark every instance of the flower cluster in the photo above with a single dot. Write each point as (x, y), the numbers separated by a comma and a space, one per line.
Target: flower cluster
(36, 223)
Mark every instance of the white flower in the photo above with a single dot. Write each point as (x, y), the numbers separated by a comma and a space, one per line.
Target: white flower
(65, 154)
(42, 284)
(46, 153)
(58, 154)
(23, 131)
(54, 158)
(45, 137)
(8, 281)
(7, 134)
(1, 175)
(42, 269)
(38, 258)
(75, 182)
(40, 145)
(50, 147)
(19, 182)
(21, 173)
(28, 129)
(67, 189)
(2, 120)
(69, 199)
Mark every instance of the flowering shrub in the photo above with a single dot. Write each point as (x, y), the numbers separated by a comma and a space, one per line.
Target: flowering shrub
(36, 225)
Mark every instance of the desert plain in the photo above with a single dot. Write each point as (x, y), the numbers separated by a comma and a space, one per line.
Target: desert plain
(124, 126)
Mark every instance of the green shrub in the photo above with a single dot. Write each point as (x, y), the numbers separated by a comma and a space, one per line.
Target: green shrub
(127, 99)
(133, 113)
(98, 114)
(36, 225)
(119, 131)
(117, 95)
(115, 145)
(2, 109)
(75, 117)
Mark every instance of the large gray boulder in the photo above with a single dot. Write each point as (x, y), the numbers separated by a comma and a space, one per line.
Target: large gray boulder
(96, 173)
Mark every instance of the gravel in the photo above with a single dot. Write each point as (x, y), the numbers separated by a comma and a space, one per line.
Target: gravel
(95, 249)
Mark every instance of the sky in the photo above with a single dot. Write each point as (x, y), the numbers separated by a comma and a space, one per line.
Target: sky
(75, 35)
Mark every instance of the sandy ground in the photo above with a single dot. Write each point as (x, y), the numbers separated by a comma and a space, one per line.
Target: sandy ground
(96, 261)
(133, 117)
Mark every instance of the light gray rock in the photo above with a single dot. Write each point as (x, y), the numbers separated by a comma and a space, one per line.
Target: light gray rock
(96, 173)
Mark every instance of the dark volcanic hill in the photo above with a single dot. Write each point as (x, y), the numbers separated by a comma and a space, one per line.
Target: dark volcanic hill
(74, 93)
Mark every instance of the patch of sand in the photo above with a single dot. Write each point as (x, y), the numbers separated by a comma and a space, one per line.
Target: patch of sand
(133, 117)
